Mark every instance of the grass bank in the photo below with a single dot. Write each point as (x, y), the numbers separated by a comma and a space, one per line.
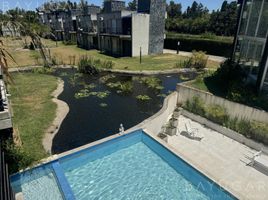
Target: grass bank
(70, 54)
(33, 112)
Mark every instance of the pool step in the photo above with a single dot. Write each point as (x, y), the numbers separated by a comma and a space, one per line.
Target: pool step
(62, 181)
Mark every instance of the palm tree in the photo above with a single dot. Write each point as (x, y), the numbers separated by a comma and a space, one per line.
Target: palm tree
(4, 57)
(33, 31)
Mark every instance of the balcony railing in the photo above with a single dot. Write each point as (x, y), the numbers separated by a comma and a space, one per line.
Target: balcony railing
(6, 192)
(114, 30)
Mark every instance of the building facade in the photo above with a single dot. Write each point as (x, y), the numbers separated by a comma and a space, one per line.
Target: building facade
(87, 28)
(130, 33)
(116, 30)
(251, 43)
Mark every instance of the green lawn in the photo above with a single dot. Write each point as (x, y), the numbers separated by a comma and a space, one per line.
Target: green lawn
(69, 54)
(33, 112)
(64, 54)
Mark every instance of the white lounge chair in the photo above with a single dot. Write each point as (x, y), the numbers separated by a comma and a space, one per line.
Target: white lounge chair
(193, 132)
(260, 161)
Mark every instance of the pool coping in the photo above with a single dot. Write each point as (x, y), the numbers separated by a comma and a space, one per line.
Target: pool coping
(66, 189)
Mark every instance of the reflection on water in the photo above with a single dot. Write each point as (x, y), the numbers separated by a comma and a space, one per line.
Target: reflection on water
(98, 105)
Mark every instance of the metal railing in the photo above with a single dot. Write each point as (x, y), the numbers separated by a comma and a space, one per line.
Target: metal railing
(6, 192)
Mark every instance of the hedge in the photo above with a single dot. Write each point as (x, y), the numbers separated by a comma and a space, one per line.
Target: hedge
(219, 48)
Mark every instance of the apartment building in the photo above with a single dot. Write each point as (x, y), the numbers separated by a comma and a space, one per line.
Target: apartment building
(130, 33)
(87, 28)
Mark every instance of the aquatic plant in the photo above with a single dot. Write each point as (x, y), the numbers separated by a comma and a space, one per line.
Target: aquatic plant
(63, 74)
(79, 95)
(106, 78)
(88, 65)
(143, 97)
(100, 95)
(184, 77)
(151, 82)
(103, 105)
(90, 86)
(124, 87)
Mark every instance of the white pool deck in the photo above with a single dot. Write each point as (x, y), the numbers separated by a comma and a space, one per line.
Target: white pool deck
(222, 159)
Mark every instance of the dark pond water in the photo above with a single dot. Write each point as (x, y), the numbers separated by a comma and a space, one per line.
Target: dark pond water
(98, 105)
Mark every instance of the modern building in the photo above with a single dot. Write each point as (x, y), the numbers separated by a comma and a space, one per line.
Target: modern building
(130, 33)
(251, 43)
(55, 20)
(116, 30)
(87, 28)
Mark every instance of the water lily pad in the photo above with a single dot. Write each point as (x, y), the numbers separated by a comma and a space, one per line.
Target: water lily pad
(103, 105)
(143, 97)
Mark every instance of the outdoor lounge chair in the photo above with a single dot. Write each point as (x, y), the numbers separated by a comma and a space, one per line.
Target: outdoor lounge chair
(193, 133)
(260, 161)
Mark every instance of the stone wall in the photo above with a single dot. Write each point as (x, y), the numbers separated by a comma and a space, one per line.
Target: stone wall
(113, 5)
(157, 26)
(234, 109)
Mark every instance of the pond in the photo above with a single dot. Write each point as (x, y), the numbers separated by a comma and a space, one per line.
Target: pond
(99, 104)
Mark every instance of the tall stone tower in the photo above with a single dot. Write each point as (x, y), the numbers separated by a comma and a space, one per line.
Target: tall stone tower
(157, 11)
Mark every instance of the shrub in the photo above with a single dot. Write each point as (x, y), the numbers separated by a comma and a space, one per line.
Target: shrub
(217, 114)
(16, 157)
(259, 131)
(43, 70)
(199, 60)
(196, 105)
(69, 42)
(107, 64)
(88, 65)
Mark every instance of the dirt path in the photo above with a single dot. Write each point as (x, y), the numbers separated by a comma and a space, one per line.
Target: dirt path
(61, 112)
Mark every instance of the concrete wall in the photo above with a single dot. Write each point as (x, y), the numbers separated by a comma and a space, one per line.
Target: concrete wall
(234, 109)
(154, 124)
(140, 34)
(227, 132)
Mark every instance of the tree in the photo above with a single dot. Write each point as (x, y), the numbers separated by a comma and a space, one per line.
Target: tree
(132, 5)
(174, 10)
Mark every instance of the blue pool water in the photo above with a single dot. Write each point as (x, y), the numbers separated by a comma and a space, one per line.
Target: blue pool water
(133, 166)
(37, 184)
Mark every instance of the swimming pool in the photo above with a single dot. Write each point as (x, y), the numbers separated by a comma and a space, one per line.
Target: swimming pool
(132, 166)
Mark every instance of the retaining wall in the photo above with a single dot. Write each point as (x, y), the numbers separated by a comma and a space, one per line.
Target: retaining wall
(154, 124)
(234, 109)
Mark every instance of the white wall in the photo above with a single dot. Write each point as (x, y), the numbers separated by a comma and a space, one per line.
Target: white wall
(234, 109)
(140, 33)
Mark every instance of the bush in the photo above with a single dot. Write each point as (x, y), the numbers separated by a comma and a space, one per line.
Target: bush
(199, 60)
(107, 64)
(88, 65)
(196, 105)
(16, 157)
(68, 42)
(43, 70)
(217, 114)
